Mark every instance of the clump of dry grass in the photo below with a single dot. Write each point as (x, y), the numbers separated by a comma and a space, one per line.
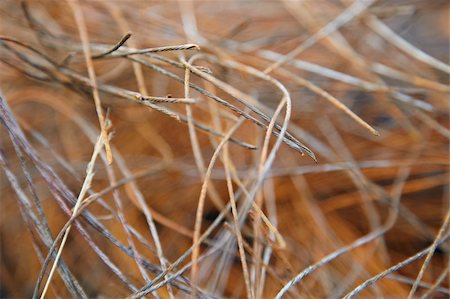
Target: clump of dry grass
(258, 150)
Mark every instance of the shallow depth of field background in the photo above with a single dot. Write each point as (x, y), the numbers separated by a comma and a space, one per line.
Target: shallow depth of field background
(369, 202)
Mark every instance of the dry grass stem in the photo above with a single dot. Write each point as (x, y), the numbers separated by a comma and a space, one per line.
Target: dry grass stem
(258, 149)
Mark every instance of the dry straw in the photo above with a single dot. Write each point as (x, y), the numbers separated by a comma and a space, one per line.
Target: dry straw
(291, 149)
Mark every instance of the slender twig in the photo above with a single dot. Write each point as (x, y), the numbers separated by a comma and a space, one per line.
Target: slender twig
(119, 44)
(394, 268)
(392, 218)
(201, 202)
(388, 34)
(155, 50)
(79, 18)
(435, 286)
(442, 231)
(317, 90)
(354, 10)
(84, 188)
